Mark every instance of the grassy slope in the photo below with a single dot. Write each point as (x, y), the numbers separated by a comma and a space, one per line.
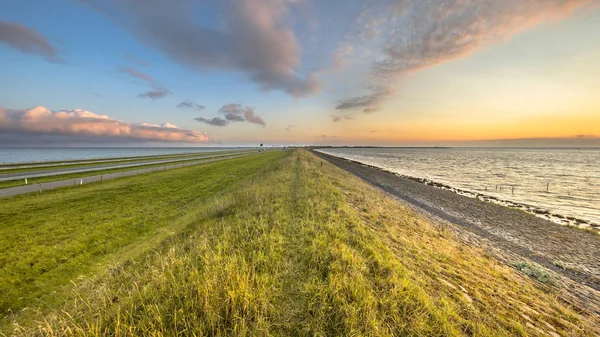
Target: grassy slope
(305, 249)
(94, 162)
(52, 238)
(38, 180)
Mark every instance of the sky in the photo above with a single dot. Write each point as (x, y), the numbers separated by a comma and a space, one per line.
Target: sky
(300, 72)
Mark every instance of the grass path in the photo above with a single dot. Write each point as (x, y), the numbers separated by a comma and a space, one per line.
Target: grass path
(52, 238)
(45, 165)
(100, 171)
(305, 249)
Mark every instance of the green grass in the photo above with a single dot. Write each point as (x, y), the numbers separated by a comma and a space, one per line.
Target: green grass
(62, 163)
(536, 271)
(67, 165)
(54, 237)
(302, 249)
(38, 180)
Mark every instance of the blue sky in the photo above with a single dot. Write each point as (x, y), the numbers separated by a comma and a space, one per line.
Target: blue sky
(299, 72)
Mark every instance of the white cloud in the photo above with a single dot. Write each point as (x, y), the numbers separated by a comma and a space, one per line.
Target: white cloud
(415, 35)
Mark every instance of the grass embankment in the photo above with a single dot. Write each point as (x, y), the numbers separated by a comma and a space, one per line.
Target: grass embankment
(38, 180)
(51, 238)
(307, 249)
(34, 168)
(74, 161)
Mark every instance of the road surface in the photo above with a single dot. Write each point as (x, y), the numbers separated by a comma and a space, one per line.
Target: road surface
(5, 192)
(104, 166)
(13, 166)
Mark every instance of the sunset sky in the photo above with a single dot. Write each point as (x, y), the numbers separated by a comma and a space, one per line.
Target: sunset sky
(338, 72)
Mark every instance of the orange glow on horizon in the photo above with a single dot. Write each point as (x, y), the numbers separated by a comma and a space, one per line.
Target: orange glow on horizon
(469, 130)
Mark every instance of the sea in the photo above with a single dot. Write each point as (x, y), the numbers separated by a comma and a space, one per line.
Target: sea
(28, 155)
(560, 184)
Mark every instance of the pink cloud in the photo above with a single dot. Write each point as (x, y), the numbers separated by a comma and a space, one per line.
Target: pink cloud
(41, 120)
(252, 117)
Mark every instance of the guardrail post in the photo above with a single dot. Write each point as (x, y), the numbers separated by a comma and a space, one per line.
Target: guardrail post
(40, 188)
(25, 181)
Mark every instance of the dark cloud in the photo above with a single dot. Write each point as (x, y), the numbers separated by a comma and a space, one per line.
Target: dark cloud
(186, 104)
(135, 74)
(191, 105)
(27, 41)
(216, 121)
(233, 117)
(417, 35)
(367, 103)
(254, 38)
(233, 112)
(155, 93)
(238, 113)
(338, 118)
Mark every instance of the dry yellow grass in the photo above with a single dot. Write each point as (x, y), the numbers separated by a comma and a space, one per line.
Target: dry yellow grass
(307, 249)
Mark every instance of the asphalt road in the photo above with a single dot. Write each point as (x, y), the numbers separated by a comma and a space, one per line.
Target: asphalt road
(98, 161)
(5, 192)
(102, 166)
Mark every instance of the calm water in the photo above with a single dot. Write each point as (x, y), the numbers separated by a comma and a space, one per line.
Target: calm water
(26, 155)
(573, 174)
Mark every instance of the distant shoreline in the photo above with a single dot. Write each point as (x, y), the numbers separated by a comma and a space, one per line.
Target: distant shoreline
(461, 147)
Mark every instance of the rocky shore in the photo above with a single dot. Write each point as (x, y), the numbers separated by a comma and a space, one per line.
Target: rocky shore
(511, 234)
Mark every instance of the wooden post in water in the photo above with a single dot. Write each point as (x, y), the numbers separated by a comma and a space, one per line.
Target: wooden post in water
(547, 187)
(513, 189)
